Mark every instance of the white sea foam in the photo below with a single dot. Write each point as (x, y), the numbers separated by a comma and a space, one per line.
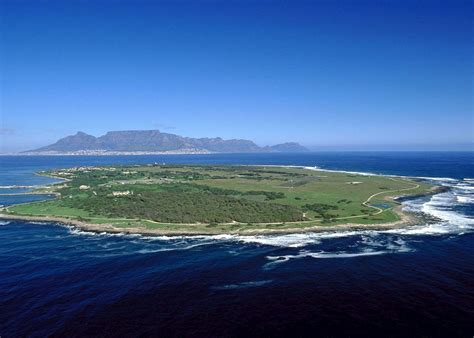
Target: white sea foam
(465, 199)
(315, 168)
(291, 240)
(149, 251)
(428, 229)
(465, 187)
(343, 254)
(79, 232)
(38, 222)
(370, 244)
(4, 222)
(438, 179)
(440, 206)
(275, 260)
(443, 207)
(189, 242)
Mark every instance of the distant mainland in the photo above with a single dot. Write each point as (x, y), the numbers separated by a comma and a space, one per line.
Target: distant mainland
(142, 142)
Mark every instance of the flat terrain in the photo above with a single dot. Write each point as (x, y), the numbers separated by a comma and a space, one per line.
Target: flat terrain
(218, 199)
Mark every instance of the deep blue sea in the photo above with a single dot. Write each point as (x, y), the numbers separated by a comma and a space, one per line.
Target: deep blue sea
(418, 281)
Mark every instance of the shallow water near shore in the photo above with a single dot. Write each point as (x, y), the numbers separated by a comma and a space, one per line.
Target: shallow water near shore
(417, 280)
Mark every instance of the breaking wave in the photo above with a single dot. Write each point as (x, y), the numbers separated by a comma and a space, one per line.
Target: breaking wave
(316, 168)
(452, 210)
(449, 213)
(368, 244)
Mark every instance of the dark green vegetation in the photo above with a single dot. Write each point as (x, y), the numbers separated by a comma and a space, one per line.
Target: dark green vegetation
(185, 204)
(208, 198)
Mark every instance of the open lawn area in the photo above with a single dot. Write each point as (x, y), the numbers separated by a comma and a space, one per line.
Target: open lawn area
(221, 198)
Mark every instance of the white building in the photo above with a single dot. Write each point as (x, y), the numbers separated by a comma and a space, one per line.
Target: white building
(121, 193)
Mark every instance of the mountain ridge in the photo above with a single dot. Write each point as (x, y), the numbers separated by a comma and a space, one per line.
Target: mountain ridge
(129, 141)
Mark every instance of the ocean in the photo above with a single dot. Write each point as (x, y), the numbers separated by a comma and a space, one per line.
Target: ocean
(56, 280)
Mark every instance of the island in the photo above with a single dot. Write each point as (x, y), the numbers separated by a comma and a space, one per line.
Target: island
(198, 199)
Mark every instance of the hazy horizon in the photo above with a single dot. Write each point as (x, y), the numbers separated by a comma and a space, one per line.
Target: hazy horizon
(331, 76)
(330, 147)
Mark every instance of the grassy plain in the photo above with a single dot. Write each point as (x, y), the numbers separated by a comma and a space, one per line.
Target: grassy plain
(216, 199)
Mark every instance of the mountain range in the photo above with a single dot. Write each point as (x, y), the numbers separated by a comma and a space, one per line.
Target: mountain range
(150, 141)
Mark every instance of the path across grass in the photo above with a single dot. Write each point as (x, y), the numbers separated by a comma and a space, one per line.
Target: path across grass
(220, 197)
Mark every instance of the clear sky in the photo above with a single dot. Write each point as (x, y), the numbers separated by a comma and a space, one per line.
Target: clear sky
(328, 74)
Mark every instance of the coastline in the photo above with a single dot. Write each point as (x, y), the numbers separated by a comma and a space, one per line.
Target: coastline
(112, 153)
(406, 219)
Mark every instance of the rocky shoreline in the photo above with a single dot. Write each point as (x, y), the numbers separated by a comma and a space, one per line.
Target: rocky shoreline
(406, 219)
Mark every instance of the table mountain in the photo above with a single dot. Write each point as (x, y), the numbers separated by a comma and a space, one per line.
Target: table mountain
(156, 141)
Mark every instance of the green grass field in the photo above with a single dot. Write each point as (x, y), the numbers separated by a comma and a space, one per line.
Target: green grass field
(221, 198)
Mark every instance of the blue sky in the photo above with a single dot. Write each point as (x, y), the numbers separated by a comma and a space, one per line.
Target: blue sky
(328, 74)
